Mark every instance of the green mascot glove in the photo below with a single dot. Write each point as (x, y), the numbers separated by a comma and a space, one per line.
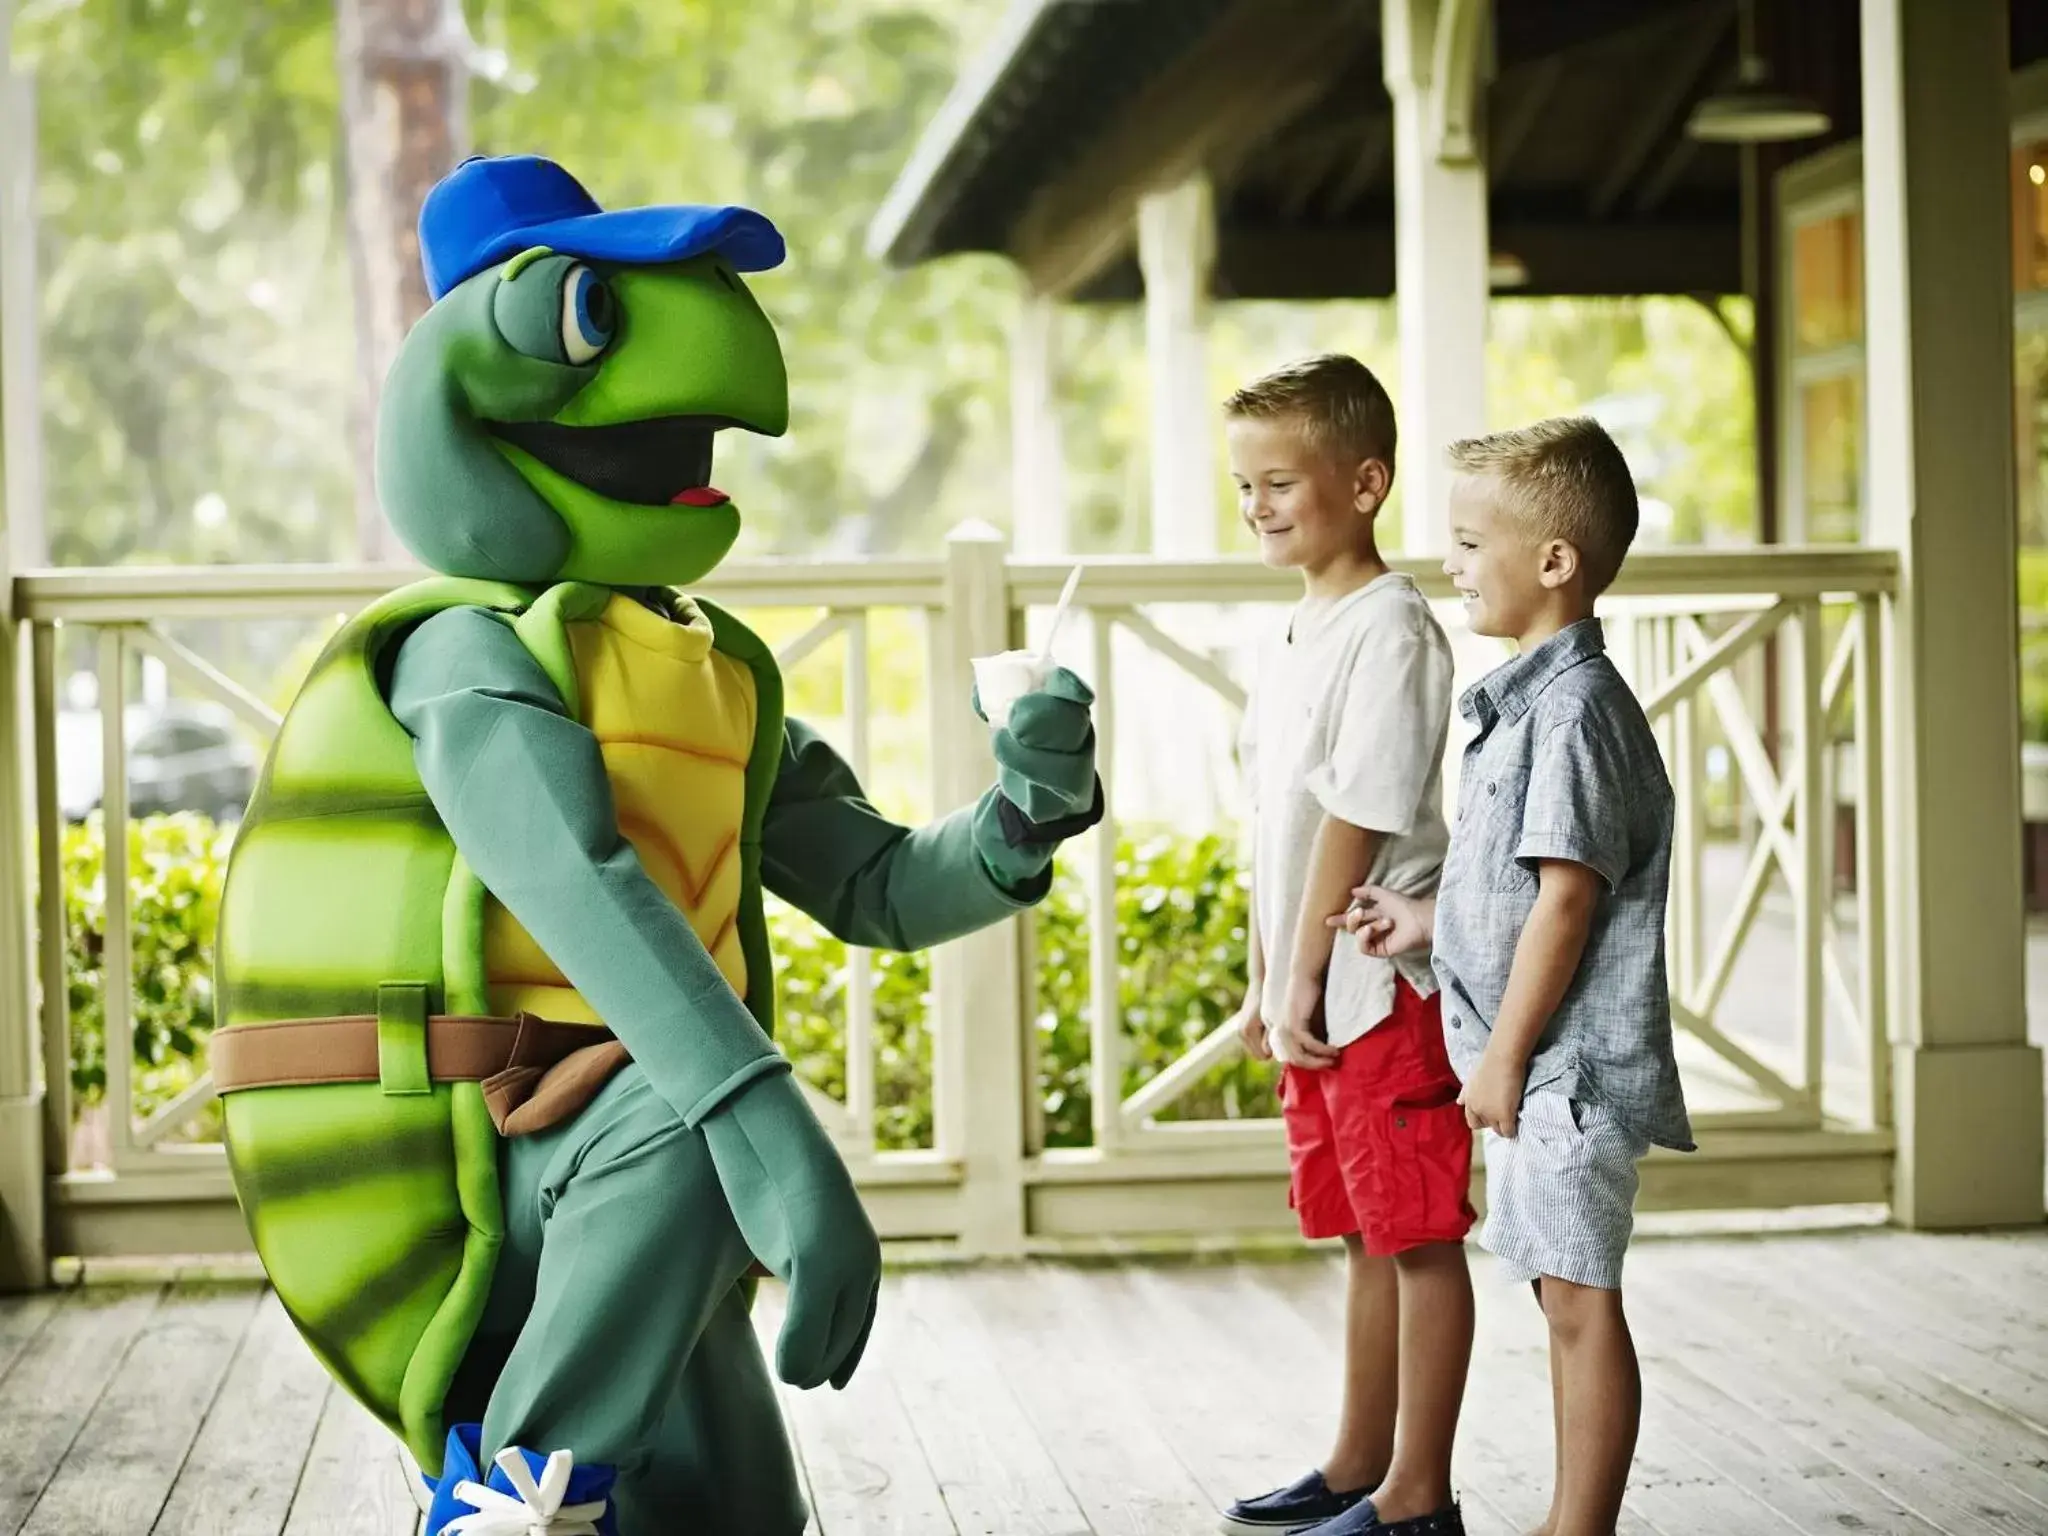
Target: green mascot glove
(1046, 788)
(798, 1211)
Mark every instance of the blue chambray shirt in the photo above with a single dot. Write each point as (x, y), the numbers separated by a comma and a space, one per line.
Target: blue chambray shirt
(1564, 766)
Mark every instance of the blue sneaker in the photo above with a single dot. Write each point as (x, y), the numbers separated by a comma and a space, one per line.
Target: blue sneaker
(1299, 1506)
(526, 1494)
(1362, 1518)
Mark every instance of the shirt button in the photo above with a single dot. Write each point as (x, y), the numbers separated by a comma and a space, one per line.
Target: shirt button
(1492, 788)
(1400, 1122)
(1457, 1023)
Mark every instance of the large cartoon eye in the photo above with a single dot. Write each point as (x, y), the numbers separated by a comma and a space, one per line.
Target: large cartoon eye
(588, 315)
(554, 309)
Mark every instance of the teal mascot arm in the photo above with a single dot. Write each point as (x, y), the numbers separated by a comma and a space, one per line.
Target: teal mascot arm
(522, 789)
(868, 881)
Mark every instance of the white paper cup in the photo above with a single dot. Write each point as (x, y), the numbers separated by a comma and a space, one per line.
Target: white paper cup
(1003, 680)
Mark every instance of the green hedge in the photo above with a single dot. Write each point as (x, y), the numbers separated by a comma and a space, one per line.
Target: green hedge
(175, 867)
(1181, 906)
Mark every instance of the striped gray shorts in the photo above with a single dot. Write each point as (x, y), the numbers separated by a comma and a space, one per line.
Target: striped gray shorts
(1560, 1196)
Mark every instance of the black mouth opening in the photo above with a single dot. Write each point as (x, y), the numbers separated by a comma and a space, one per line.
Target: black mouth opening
(648, 463)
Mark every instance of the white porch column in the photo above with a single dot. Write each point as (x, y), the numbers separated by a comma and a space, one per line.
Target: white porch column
(1157, 702)
(1938, 295)
(21, 410)
(1177, 251)
(1431, 57)
(1038, 493)
(24, 1260)
(979, 1028)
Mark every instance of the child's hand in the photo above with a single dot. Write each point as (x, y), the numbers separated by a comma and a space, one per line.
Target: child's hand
(1251, 1029)
(1299, 1041)
(1493, 1098)
(1386, 922)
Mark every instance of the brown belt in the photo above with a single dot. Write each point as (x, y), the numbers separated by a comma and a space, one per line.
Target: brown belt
(534, 1072)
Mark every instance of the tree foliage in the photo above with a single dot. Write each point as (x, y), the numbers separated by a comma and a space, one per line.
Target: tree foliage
(195, 324)
(197, 335)
(198, 341)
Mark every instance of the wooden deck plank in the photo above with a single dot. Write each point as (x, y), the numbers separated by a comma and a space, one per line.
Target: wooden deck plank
(1975, 1281)
(1259, 1394)
(867, 1472)
(1808, 1491)
(1087, 1411)
(1882, 1383)
(352, 1484)
(22, 1318)
(1975, 1353)
(128, 1453)
(243, 1470)
(1237, 1423)
(1787, 1376)
(1744, 1454)
(2012, 1265)
(995, 1476)
(1873, 1368)
(54, 1384)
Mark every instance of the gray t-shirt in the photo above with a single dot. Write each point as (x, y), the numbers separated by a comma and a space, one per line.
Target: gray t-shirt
(1348, 717)
(1564, 766)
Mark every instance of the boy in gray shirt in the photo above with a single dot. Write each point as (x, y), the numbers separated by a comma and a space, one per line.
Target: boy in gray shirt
(1548, 925)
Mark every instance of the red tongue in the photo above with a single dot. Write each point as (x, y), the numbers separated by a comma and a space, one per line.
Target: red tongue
(700, 496)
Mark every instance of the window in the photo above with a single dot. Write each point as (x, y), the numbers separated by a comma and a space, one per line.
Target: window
(1831, 453)
(1821, 242)
(2030, 215)
(1821, 426)
(1827, 282)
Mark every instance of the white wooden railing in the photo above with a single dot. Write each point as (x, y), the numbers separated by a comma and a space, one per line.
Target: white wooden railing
(1784, 1033)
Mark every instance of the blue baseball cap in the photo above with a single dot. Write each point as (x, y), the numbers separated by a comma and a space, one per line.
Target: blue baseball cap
(491, 207)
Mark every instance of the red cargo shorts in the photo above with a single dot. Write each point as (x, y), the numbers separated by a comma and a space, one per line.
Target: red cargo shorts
(1378, 1143)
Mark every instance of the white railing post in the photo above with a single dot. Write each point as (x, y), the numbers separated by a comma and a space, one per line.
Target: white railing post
(24, 1257)
(977, 1037)
(860, 963)
(117, 947)
(1813, 822)
(1689, 846)
(1105, 967)
(51, 930)
(1870, 852)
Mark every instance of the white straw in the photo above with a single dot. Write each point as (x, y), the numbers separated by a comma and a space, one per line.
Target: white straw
(1059, 613)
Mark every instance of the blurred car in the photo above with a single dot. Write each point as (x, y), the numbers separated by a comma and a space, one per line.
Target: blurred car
(182, 756)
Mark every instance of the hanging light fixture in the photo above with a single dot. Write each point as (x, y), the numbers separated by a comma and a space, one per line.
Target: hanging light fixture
(1751, 112)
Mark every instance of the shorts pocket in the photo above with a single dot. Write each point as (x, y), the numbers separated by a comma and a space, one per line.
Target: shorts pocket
(1555, 1121)
(1424, 1171)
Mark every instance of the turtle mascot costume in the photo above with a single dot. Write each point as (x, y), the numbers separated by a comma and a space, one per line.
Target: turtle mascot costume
(502, 1107)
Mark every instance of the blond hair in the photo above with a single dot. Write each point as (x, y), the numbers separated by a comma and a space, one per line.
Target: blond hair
(1567, 480)
(1339, 406)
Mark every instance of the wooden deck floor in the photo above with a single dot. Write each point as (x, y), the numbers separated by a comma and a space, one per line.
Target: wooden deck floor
(1867, 1382)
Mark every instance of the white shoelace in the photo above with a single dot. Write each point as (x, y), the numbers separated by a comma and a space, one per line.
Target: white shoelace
(538, 1511)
